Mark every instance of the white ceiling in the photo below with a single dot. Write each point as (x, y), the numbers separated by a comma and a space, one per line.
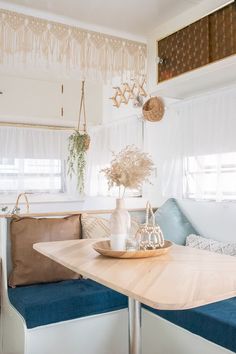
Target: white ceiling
(136, 17)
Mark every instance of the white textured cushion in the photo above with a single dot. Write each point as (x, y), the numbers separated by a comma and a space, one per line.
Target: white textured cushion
(203, 243)
(97, 227)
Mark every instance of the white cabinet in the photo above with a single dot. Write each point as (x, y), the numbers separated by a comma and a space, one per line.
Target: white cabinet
(29, 98)
(26, 100)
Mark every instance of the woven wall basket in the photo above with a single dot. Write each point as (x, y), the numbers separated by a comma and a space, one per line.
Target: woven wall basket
(153, 109)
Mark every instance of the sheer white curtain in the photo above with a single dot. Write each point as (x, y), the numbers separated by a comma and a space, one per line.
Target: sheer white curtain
(105, 140)
(32, 143)
(199, 132)
(26, 152)
(33, 159)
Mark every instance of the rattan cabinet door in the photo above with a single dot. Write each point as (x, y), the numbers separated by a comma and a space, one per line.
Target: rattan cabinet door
(222, 32)
(184, 50)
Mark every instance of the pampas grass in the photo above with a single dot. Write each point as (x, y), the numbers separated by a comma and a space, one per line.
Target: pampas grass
(129, 168)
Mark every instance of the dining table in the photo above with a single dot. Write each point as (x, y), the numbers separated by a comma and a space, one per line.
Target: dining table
(182, 278)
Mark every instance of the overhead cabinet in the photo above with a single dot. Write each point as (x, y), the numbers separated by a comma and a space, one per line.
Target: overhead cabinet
(222, 27)
(203, 42)
(53, 102)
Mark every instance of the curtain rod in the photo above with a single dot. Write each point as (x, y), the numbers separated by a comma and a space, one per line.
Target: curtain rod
(37, 126)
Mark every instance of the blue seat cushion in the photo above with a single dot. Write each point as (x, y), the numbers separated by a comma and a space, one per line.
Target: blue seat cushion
(173, 223)
(43, 304)
(215, 322)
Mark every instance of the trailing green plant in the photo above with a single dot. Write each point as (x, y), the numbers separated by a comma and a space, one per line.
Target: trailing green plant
(76, 161)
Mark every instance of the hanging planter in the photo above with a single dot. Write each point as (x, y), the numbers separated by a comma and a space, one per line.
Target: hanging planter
(78, 145)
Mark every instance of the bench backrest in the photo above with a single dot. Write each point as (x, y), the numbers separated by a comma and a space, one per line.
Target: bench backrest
(5, 242)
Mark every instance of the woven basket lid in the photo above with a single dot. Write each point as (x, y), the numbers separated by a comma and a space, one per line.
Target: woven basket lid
(154, 109)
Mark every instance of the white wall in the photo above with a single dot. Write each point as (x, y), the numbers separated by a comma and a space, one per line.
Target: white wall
(34, 98)
(17, 106)
(216, 220)
(90, 203)
(211, 219)
(112, 113)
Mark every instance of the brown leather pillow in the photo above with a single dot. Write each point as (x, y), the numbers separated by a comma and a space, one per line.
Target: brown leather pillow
(29, 266)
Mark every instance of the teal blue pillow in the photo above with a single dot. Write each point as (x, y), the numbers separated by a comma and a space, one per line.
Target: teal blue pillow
(174, 224)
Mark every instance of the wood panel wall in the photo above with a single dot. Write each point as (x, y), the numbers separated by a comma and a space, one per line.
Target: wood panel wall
(205, 41)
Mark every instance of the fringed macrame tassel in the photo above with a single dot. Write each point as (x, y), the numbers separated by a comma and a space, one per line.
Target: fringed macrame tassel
(35, 42)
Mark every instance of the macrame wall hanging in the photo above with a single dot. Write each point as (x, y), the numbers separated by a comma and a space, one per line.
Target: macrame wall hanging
(78, 145)
(31, 42)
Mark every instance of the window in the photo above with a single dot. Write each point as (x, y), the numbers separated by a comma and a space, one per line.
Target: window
(32, 175)
(210, 177)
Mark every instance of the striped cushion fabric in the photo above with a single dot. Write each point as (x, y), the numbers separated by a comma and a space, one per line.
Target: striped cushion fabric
(97, 227)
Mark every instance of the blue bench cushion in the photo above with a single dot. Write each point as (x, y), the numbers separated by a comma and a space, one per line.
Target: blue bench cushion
(215, 322)
(42, 304)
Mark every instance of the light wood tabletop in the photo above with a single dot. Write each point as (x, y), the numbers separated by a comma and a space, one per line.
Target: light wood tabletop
(183, 278)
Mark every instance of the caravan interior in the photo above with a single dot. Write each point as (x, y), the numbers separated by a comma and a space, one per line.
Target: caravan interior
(118, 177)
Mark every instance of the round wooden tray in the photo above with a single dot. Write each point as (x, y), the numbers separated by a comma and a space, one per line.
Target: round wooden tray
(103, 247)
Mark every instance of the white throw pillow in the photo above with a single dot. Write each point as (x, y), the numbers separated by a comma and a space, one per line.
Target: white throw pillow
(207, 244)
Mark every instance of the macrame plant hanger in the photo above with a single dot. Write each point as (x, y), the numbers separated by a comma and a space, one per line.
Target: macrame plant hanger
(82, 126)
(78, 145)
(82, 111)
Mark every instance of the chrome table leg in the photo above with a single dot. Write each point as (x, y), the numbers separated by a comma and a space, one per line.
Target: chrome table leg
(134, 326)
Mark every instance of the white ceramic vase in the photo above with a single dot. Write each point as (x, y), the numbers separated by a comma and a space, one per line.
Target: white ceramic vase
(120, 226)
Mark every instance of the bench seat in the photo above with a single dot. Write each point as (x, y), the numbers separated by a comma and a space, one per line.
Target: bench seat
(43, 304)
(215, 322)
(50, 303)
